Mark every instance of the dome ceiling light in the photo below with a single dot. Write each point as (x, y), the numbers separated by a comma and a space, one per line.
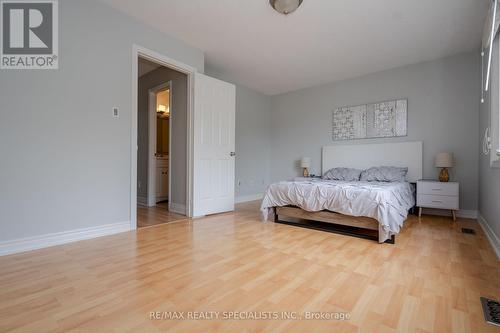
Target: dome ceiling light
(285, 6)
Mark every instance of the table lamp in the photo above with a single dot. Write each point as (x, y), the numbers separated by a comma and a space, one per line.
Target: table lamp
(444, 161)
(305, 163)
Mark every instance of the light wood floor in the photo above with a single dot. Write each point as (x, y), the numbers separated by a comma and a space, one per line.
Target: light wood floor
(149, 216)
(430, 281)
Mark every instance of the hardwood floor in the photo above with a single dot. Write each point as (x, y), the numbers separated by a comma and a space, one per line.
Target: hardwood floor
(429, 281)
(149, 216)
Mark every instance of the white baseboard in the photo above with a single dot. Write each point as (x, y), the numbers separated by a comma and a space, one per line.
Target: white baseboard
(494, 239)
(177, 208)
(464, 213)
(57, 238)
(142, 201)
(247, 198)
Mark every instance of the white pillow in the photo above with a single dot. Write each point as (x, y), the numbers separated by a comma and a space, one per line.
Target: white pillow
(348, 174)
(384, 174)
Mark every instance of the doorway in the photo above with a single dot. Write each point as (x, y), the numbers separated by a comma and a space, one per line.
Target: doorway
(209, 142)
(159, 146)
(162, 107)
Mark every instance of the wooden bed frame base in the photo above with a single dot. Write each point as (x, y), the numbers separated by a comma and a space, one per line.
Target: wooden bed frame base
(330, 221)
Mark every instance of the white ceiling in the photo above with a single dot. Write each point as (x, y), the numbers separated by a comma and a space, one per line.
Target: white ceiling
(323, 41)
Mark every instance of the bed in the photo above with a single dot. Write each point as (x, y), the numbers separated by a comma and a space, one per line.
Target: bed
(379, 206)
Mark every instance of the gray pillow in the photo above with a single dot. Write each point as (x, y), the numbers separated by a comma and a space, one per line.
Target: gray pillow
(384, 174)
(348, 174)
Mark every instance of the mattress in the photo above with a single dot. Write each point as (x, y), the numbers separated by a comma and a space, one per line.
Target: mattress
(388, 203)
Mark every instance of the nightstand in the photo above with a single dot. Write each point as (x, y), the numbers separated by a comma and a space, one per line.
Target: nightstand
(438, 195)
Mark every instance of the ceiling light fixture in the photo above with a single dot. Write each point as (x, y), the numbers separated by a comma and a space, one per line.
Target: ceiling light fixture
(285, 6)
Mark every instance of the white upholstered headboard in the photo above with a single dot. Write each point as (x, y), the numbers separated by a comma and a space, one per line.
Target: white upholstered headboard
(400, 154)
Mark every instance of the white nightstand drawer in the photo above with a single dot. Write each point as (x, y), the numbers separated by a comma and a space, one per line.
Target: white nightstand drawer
(437, 201)
(437, 188)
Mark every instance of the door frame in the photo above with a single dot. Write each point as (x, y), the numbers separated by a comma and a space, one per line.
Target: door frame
(139, 51)
(152, 139)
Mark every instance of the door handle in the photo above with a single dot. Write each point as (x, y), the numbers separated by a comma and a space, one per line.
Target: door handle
(232, 153)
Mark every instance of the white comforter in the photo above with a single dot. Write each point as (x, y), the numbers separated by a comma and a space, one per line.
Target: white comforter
(388, 203)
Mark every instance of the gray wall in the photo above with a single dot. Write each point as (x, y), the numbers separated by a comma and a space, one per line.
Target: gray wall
(489, 178)
(443, 99)
(65, 161)
(179, 113)
(253, 130)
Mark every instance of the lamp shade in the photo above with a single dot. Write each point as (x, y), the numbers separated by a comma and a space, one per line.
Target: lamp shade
(305, 162)
(444, 160)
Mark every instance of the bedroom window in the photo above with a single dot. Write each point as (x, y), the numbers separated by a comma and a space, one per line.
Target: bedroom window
(495, 108)
(493, 132)
(495, 112)
(490, 83)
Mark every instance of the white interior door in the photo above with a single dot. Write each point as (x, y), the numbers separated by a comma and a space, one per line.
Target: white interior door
(214, 161)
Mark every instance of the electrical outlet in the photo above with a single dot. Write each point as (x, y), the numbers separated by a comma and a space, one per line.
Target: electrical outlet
(116, 112)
